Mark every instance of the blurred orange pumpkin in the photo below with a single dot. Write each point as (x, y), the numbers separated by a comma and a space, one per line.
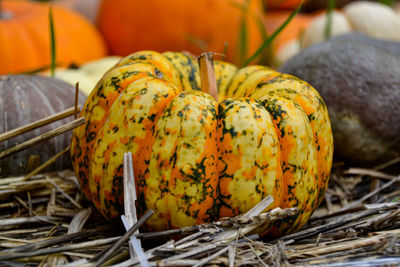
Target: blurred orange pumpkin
(160, 25)
(24, 34)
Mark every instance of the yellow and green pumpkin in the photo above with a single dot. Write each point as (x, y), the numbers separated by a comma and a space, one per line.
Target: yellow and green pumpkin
(197, 159)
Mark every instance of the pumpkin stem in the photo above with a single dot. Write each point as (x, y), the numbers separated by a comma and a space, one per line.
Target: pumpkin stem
(207, 74)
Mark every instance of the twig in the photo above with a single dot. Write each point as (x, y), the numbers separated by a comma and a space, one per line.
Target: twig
(189, 238)
(349, 245)
(16, 240)
(228, 235)
(386, 197)
(149, 254)
(130, 217)
(387, 164)
(329, 226)
(235, 222)
(52, 202)
(328, 201)
(184, 230)
(135, 247)
(76, 100)
(339, 213)
(55, 241)
(232, 251)
(282, 249)
(190, 253)
(210, 258)
(39, 123)
(129, 190)
(372, 173)
(232, 255)
(374, 185)
(175, 263)
(257, 256)
(370, 194)
(318, 240)
(43, 137)
(79, 221)
(57, 250)
(260, 207)
(26, 220)
(59, 189)
(109, 252)
(379, 221)
(31, 212)
(46, 164)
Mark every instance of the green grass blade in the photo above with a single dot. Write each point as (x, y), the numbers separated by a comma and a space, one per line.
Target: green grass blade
(328, 24)
(261, 27)
(387, 2)
(268, 57)
(269, 40)
(243, 7)
(52, 43)
(300, 37)
(242, 42)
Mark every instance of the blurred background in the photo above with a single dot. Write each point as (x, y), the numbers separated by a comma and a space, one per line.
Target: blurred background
(235, 28)
(91, 36)
(349, 51)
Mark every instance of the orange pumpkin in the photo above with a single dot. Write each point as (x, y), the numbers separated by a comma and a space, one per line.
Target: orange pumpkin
(24, 35)
(284, 3)
(159, 25)
(196, 159)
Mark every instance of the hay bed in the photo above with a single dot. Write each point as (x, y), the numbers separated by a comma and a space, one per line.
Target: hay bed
(45, 221)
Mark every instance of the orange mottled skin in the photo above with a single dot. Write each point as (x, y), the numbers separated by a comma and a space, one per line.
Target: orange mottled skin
(196, 159)
(25, 38)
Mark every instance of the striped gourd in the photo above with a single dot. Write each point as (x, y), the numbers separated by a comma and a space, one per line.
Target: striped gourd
(25, 99)
(196, 158)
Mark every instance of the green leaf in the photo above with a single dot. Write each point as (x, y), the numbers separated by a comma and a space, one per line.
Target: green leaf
(269, 40)
(52, 43)
(268, 57)
(328, 24)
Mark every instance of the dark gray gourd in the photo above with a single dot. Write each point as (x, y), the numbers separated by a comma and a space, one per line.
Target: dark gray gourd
(359, 79)
(25, 99)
